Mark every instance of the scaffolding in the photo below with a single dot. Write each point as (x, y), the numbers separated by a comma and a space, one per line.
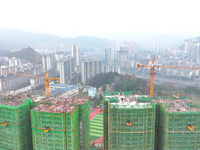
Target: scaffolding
(67, 120)
(15, 128)
(84, 122)
(105, 118)
(63, 128)
(130, 123)
(178, 122)
(117, 92)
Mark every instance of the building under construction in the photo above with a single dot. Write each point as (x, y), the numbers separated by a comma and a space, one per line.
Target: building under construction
(50, 123)
(177, 123)
(61, 123)
(129, 122)
(157, 123)
(15, 129)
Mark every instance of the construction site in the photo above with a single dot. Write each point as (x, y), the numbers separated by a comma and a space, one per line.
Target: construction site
(129, 122)
(157, 123)
(50, 123)
(126, 121)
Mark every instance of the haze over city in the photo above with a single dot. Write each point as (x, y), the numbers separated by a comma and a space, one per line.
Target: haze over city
(103, 18)
(99, 75)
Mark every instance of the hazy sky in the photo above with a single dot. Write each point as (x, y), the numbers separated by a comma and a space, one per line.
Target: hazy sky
(100, 17)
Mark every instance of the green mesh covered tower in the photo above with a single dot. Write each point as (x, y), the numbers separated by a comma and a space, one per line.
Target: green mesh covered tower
(179, 124)
(55, 127)
(84, 122)
(130, 123)
(15, 128)
(68, 122)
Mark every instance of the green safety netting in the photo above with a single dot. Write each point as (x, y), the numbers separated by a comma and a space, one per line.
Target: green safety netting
(15, 115)
(72, 129)
(142, 118)
(63, 133)
(56, 140)
(16, 137)
(55, 121)
(105, 118)
(173, 130)
(117, 135)
(84, 118)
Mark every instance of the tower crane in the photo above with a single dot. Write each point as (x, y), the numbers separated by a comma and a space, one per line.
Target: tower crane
(153, 66)
(46, 83)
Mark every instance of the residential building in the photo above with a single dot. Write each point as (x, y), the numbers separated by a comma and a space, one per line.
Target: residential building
(47, 62)
(65, 68)
(12, 82)
(110, 55)
(59, 55)
(89, 68)
(14, 61)
(75, 53)
(192, 47)
(110, 68)
(126, 46)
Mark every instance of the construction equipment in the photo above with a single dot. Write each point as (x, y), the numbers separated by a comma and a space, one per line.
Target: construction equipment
(46, 80)
(190, 127)
(101, 111)
(4, 124)
(176, 95)
(152, 67)
(128, 123)
(46, 129)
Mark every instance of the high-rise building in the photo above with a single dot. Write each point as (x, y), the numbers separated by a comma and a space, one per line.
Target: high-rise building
(110, 68)
(14, 61)
(59, 55)
(126, 46)
(47, 62)
(65, 68)
(157, 47)
(89, 68)
(110, 55)
(129, 122)
(192, 47)
(75, 53)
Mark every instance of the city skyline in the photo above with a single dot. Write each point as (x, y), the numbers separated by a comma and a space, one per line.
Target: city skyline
(101, 18)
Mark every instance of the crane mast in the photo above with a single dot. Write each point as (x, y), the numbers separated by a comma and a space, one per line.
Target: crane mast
(152, 68)
(46, 84)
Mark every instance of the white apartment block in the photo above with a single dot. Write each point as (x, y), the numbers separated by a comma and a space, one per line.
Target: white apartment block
(64, 66)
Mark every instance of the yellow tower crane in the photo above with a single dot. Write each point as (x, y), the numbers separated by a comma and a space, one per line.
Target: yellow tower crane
(46, 83)
(153, 66)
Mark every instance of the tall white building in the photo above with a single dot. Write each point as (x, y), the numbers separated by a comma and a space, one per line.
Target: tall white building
(47, 62)
(75, 53)
(192, 47)
(14, 61)
(59, 55)
(126, 46)
(89, 68)
(65, 68)
(110, 55)
(110, 68)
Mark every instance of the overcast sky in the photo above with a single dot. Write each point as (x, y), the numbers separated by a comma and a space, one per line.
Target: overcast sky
(101, 17)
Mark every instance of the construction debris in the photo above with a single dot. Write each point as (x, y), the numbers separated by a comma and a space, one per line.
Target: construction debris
(178, 104)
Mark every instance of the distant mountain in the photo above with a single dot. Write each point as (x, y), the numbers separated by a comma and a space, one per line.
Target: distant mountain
(148, 39)
(16, 39)
(28, 54)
